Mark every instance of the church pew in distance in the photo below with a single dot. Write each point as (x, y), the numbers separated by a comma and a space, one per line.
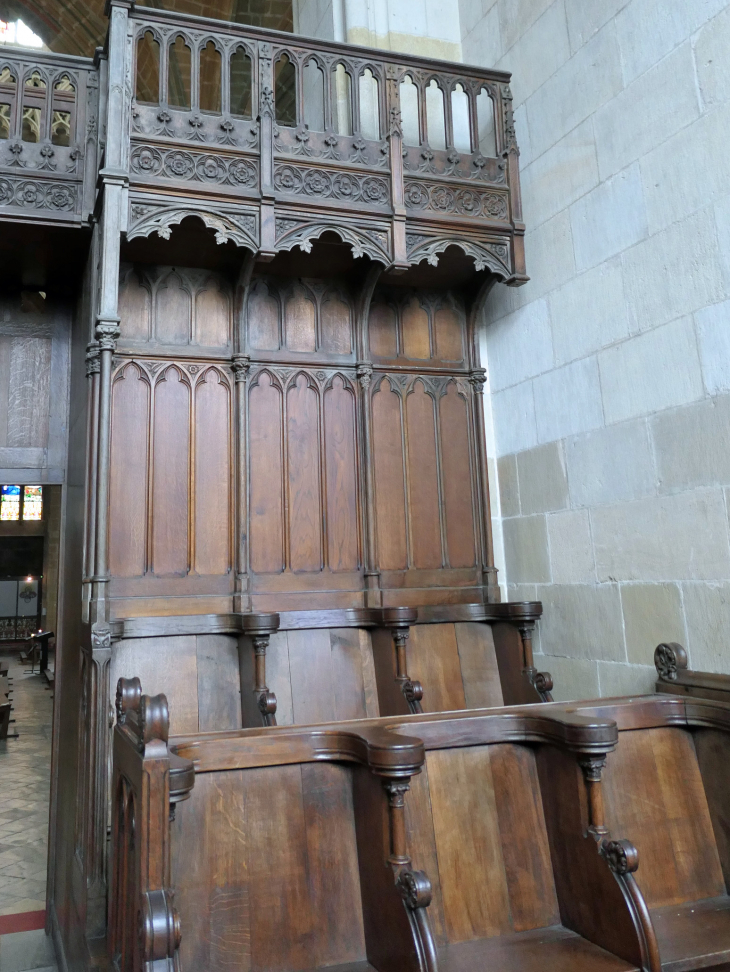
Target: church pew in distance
(395, 844)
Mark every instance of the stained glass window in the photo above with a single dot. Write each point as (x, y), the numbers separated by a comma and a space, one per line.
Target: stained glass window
(10, 503)
(32, 502)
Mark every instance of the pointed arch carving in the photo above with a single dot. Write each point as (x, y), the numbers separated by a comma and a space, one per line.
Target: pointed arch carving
(240, 229)
(374, 243)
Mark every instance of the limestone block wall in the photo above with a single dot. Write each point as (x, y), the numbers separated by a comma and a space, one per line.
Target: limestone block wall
(609, 372)
(428, 28)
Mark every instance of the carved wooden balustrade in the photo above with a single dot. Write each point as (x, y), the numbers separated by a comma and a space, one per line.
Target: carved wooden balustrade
(274, 140)
(49, 111)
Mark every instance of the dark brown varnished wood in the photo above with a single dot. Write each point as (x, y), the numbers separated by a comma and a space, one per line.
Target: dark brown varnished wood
(521, 849)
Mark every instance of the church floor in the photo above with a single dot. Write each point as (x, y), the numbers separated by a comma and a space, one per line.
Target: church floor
(25, 766)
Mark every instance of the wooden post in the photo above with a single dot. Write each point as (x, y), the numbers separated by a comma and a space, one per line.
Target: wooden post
(267, 120)
(95, 691)
(489, 572)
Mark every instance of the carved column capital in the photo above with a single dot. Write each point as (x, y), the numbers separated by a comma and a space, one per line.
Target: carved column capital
(592, 767)
(364, 374)
(397, 793)
(93, 364)
(107, 332)
(477, 380)
(101, 637)
(241, 364)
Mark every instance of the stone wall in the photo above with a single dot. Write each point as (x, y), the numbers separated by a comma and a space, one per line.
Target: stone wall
(428, 28)
(609, 372)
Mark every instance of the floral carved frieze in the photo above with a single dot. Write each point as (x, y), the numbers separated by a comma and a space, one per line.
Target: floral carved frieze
(37, 195)
(151, 162)
(440, 198)
(322, 184)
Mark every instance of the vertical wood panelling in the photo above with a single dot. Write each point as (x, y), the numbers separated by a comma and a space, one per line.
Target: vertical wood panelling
(134, 309)
(263, 320)
(341, 477)
(670, 821)
(128, 475)
(210, 875)
(478, 664)
(389, 483)
(433, 658)
(267, 500)
(456, 479)
(219, 683)
(383, 331)
(471, 865)
(303, 467)
(415, 332)
(168, 664)
(212, 316)
(334, 881)
(448, 333)
(336, 332)
(525, 849)
(171, 472)
(280, 900)
(173, 311)
(299, 322)
(212, 475)
(423, 479)
(29, 392)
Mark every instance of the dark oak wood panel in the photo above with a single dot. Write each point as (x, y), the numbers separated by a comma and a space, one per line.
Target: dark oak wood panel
(212, 475)
(280, 417)
(267, 498)
(389, 479)
(423, 490)
(305, 489)
(458, 500)
(171, 475)
(670, 822)
(129, 472)
(341, 477)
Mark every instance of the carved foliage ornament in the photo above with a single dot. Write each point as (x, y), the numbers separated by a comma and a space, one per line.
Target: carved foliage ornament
(466, 202)
(363, 240)
(194, 167)
(669, 658)
(620, 855)
(239, 228)
(351, 187)
(494, 256)
(37, 195)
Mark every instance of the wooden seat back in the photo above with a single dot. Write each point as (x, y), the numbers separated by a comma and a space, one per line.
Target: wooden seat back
(298, 847)
(309, 667)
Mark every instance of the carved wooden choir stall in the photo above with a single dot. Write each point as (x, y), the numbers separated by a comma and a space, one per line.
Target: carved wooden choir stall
(277, 514)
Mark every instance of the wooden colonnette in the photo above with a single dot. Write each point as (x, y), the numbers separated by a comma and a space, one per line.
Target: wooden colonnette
(552, 837)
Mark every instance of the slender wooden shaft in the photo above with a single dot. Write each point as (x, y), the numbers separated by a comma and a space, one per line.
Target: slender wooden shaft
(398, 844)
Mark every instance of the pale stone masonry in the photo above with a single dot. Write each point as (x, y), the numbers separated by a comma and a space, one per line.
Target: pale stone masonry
(609, 373)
